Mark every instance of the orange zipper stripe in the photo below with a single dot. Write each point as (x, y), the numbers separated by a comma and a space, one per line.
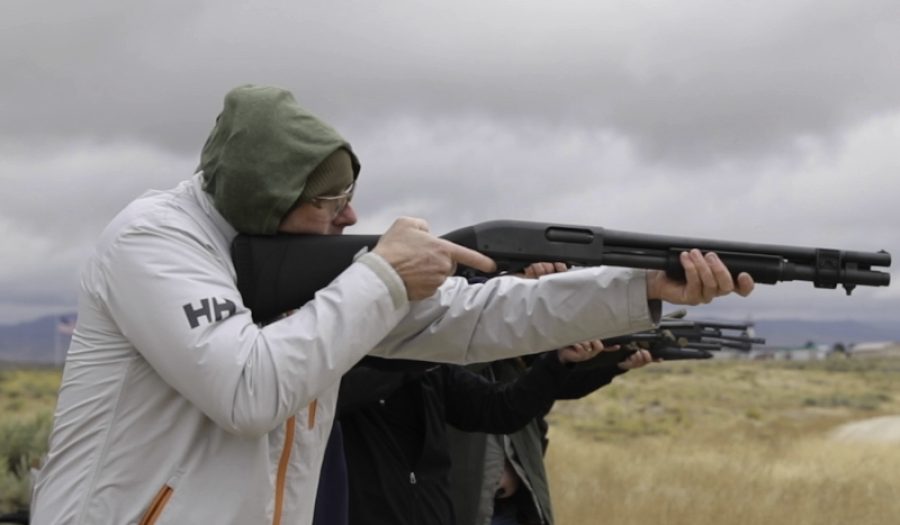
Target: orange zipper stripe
(282, 469)
(286, 457)
(157, 505)
(311, 420)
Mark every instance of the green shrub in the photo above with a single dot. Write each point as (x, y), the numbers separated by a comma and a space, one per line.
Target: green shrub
(23, 441)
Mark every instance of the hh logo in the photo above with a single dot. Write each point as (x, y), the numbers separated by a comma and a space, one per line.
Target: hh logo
(210, 309)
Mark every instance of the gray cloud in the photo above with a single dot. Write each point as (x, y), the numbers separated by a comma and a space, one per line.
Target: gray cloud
(839, 194)
(702, 82)
(772, 122)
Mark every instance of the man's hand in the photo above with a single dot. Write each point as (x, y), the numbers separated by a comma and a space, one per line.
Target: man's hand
(538, 269)
(582, 351)
(590, 349)
(636, 360)
(706, 277)
(422, 260)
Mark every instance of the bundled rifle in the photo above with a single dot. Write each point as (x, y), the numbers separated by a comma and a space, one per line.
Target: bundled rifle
(677, 338)
(278, 273)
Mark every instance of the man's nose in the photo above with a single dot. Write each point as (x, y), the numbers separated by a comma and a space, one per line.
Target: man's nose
(347, 217)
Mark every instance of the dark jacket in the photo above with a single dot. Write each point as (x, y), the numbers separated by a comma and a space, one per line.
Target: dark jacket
(395, 437)
(467, 449)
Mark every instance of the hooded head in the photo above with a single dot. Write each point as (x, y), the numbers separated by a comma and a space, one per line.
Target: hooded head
(261, 153)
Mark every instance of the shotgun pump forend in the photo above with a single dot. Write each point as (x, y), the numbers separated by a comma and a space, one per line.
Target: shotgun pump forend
(282, 272)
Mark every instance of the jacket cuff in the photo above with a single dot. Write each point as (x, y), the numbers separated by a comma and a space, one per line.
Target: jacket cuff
(387, 274)
(639, 307)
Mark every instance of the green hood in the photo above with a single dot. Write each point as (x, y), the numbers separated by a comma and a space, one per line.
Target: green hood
(259, 154)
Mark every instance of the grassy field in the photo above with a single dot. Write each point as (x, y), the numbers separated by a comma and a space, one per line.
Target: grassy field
(27, 399)
(677, 443)
(728, 442)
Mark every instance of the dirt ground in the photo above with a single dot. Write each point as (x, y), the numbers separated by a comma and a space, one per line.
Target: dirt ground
(885, 429)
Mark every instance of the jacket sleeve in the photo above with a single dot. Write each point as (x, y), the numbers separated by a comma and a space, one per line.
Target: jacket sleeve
(584, 379)
(476, 404)
(175, 300)
(510, 316)
(364, 384)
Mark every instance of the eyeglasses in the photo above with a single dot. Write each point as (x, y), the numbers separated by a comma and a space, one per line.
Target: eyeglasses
(340, 200)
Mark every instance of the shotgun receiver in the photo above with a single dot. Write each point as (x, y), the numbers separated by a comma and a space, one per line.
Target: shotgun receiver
(281, 272)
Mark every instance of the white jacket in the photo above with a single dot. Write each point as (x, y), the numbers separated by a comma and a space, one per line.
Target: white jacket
(175, 408)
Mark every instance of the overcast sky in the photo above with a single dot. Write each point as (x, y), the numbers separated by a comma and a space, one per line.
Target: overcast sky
(765, 121)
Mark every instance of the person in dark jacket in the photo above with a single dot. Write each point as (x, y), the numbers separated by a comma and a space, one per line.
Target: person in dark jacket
(394, 428)
(499, 478)
(387, 460)
(394, 432)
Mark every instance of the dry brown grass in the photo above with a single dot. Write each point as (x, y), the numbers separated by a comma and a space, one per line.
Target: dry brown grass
(741, 443)
(728, 442)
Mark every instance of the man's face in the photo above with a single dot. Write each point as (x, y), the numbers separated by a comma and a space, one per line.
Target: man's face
(318, 217)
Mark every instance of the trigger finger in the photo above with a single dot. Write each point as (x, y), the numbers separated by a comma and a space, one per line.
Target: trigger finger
(469, 257)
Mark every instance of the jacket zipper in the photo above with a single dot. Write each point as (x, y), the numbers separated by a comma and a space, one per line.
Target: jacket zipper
(311, 419)
(282, 469)
(286, 458)
(157, 505)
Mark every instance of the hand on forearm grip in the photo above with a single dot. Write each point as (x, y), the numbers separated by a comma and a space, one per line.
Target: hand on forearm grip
(706, 277)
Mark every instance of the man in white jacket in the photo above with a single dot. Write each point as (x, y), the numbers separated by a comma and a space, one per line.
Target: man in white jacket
(176, 408)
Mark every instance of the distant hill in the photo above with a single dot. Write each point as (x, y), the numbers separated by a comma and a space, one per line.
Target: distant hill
(44, 340)
(793, 332)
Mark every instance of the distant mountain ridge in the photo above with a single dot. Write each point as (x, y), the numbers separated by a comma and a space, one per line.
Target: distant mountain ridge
(796, 332)
(42, 341)
(45, 340)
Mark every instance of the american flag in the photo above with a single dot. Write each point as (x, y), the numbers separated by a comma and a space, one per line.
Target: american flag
(66, 325)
